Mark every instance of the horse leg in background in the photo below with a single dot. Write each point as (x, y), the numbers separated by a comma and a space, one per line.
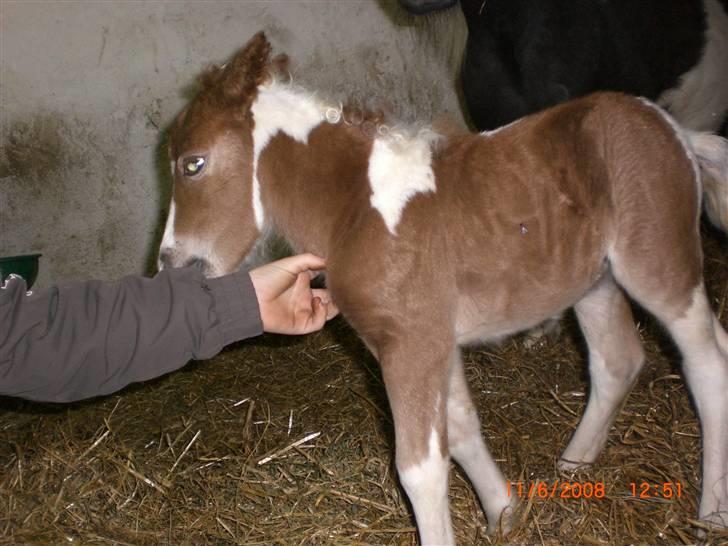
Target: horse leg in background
(470, 452)
(550, 329)
(615, 359)
(416, 372)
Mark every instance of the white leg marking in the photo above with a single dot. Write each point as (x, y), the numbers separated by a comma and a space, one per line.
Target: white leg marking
(721, 336)
(615, 358)
(606, 395)
(700, 100)
(591, 433)
(706, 369)
(426, 485)
(399, 168)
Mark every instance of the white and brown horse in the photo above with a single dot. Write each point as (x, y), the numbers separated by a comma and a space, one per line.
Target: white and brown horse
(472, 237)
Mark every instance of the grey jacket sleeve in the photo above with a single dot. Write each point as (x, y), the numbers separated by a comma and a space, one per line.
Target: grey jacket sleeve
(92, 338)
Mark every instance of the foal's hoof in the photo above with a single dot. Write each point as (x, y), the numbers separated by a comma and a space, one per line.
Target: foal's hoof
(506, 521)
(570, 467)
(713, 522)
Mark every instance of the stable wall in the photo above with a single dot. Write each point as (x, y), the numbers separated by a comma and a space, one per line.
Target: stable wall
(87, 89)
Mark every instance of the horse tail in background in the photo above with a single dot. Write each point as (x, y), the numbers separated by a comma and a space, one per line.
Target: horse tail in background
(711, 151)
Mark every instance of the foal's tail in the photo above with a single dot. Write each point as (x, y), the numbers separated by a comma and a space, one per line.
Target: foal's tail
(711, 151)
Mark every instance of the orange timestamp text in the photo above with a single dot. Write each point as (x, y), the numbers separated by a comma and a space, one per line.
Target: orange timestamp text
(557, 489)
(650, 490)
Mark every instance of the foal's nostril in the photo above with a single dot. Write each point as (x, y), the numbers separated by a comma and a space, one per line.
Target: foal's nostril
(168, 259)
(199, 263)
(165, 260)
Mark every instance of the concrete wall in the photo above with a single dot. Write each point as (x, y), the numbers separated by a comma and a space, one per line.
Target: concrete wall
(88, 87)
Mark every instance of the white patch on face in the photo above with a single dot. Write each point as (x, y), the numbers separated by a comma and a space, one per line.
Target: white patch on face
(186, 247)
(168, 239)
(399, 168)
(700, 100)
(289, 110)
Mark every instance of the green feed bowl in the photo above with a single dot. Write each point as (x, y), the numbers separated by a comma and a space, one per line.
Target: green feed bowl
(26, 266)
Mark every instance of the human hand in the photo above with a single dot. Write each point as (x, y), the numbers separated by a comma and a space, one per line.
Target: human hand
(288, 304)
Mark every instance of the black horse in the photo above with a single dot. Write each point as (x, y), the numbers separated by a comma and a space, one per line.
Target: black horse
(525, 55)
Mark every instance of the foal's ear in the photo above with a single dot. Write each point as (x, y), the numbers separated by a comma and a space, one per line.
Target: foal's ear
(281, 66)
(247, 70)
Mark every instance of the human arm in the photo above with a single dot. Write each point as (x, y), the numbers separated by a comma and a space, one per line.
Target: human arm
(92, 338)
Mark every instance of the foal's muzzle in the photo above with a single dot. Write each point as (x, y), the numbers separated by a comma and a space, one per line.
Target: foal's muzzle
(168, 260)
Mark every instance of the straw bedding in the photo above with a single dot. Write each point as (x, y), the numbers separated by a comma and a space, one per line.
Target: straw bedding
(286, 441)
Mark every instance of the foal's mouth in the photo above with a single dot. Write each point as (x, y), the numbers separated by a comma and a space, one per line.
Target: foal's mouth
(167, 261)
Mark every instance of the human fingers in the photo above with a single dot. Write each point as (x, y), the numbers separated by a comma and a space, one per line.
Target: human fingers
(318, 315)
(331, 308)
(301, 262)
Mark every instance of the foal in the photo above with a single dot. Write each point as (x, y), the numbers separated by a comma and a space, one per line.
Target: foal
(437, 241)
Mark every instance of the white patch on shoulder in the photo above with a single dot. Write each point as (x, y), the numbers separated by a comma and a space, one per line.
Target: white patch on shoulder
(700, 100)
(287, 109)
(399, 168)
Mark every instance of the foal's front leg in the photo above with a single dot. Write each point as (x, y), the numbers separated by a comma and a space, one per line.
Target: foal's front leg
(416, 377)
(470, 452)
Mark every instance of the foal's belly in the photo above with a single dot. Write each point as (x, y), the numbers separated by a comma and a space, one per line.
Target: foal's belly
(492, 307)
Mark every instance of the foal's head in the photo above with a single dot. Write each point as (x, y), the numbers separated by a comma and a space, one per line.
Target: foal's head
(211, 220)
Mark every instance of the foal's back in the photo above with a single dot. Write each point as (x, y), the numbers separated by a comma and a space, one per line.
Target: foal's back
(536, 207)
(523, 221)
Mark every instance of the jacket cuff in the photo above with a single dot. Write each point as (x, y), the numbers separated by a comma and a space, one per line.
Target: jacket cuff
(236, 305)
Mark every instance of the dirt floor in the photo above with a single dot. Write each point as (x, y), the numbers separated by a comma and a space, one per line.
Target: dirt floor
(283, 441)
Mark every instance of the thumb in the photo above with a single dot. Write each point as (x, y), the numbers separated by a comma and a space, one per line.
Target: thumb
(302, 262)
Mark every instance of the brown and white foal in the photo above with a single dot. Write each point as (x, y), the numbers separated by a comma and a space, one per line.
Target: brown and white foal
(435, 241)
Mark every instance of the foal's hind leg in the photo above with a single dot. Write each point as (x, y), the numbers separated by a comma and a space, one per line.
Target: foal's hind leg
(684, 308)
(470, 452)
(615, 358)
(704, 345)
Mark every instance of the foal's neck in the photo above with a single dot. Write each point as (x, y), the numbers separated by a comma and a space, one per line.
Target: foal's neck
(311, 169)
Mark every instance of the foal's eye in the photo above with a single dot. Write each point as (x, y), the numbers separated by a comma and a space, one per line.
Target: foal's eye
(192, 166)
